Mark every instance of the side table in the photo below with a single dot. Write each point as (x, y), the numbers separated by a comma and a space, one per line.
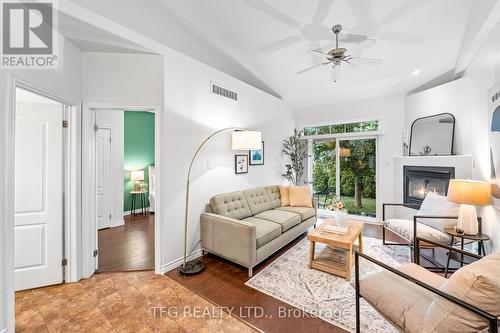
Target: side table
(142, 197)
(480, 238)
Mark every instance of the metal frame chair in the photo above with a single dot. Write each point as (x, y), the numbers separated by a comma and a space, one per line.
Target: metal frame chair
(437, 265)
(492, 320)
(328, 195)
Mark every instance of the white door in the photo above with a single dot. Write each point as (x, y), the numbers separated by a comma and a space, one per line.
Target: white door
(103, 177)
(38, 221)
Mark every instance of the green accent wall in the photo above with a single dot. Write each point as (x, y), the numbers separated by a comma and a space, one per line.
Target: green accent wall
(139, 149)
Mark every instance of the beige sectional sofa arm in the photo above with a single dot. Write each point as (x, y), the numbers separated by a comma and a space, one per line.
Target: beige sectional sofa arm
(230, 238)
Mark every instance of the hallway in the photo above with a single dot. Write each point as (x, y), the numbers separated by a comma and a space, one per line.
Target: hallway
(128, 247)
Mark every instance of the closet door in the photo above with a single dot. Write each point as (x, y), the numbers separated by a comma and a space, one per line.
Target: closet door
(38, 219)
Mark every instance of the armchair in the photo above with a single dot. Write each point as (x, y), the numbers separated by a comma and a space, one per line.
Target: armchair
(435, 214)
(421, 301)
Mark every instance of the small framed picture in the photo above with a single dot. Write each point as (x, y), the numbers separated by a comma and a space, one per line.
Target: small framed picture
(256, 156)
(240, 164)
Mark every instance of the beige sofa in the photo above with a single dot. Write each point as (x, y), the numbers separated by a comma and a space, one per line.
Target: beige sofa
(248, 226)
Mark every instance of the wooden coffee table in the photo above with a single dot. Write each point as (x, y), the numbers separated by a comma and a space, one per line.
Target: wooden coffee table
(337, 257)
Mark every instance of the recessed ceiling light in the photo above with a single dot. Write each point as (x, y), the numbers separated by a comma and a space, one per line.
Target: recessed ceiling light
(416, 72)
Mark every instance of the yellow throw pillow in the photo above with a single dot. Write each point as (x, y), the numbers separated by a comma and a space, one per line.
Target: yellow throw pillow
(300, 196)
(285, 198)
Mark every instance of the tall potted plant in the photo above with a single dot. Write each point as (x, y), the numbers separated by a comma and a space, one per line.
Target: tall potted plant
(296, 149)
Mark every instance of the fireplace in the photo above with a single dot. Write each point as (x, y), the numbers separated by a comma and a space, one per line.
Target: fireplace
(420, 180)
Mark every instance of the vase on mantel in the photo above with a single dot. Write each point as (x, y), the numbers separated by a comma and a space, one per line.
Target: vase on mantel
(340, 217)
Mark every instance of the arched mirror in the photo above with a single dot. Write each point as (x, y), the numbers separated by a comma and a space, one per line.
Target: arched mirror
(432, 135)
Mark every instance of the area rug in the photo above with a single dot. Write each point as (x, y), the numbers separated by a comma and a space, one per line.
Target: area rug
(323, 295)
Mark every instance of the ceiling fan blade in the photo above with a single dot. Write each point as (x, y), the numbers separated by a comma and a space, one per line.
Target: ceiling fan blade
(400, 37)
(281, 44)
(315, 60)
(367, 61)
(406, 8)
(319, 52)
(273, 12)
(315, 66)
(322, 10)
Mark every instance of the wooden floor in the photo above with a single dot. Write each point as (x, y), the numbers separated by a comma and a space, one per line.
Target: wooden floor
(128, 247)
(223, 283)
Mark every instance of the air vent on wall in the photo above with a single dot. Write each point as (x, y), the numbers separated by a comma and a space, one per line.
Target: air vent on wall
(218, 90)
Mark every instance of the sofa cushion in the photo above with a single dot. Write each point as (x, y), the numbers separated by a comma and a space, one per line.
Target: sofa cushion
(231, 204)
(287, 220)
(300, 196)
(478, 284)
(273, 192)
(285, 195)
(265, 230)
(438, 205)
(404, 303)
(404, 228)
(258, 200)
(304, 212)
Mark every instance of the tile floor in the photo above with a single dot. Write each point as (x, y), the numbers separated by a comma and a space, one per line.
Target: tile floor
(120, 302)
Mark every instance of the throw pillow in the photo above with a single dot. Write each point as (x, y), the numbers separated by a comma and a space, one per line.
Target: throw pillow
(285, 198)
(300, 196)
(438, 205)
(477, 284)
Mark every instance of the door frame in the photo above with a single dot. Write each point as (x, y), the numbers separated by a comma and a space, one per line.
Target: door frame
(89, 227)
(71, 188)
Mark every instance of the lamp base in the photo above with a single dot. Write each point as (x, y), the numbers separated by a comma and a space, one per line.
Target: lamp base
(467, 220)
(192, 267)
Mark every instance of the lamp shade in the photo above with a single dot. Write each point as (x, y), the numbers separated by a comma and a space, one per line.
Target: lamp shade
(469, 192)
(137, 175)
(246, 140)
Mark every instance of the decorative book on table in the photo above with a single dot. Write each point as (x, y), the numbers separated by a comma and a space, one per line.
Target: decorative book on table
(336, 229)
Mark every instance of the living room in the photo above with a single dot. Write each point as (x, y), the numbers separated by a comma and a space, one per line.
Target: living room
(284, 136)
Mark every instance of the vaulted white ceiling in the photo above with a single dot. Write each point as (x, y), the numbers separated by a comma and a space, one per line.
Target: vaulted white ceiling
(273, 38)
(266, 42)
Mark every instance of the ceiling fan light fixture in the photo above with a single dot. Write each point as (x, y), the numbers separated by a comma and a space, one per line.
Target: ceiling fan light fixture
(415, 72)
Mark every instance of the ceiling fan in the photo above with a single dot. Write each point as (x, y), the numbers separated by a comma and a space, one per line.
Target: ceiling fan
(338, 55)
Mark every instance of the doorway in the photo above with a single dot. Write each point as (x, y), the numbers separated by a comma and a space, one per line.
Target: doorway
(40, 166)
(125, 190)
(345, 169)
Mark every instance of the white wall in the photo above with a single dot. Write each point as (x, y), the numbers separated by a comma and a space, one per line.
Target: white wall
(467, 99)
(192, 112)
(128, 79)
(115, 120)
(389, 111)
(63, 82)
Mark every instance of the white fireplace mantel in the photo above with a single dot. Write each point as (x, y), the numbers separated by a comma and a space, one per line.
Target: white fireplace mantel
(461, 163)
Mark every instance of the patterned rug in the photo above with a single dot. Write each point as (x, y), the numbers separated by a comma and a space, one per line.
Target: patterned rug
(324, 295)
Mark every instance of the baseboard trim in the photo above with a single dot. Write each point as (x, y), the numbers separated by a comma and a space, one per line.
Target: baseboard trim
(117, 223)
(177, 262)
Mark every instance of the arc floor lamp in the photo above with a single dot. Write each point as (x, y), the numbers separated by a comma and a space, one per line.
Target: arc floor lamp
(242, 139)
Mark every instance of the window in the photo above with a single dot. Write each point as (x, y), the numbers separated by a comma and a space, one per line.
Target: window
(362, 126)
